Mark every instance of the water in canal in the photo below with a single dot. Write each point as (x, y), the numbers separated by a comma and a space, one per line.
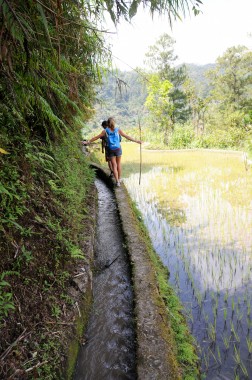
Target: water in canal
(109, 352)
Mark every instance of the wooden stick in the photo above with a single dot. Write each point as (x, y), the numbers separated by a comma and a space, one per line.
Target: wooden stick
(36, 366)
(140, 134)
(8, 350)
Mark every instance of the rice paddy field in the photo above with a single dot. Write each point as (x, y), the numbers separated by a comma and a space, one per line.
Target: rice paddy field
(197, 206)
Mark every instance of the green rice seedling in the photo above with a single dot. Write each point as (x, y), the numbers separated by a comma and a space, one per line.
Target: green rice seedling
(226, 297)
(226, 341)
(219, 354)
(248, 309)
(237, 356)
(233, 306)
(214, 357)
(205, 294)
(239, 364)
(249, 324)
(225, 315)
(218, 290)
(199, 298)
(249, 344)
(234, 332)
(244, 370)
(206, 318)
(213, 298)
(239, 316)
(211, 331)
(177, 279)
(206, 360)
(239, 301)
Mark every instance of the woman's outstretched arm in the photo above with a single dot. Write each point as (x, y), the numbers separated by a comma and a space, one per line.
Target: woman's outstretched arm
(128, 137)
(94, 138)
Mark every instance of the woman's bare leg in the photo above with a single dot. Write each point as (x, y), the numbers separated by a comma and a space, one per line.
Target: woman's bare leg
(110, 166)
(119, 167)
(114, 166)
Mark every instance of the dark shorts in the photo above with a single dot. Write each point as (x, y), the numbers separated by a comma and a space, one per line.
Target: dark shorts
(114, 153)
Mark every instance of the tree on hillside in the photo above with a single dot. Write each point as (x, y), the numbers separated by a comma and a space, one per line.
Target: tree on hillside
(231, 82)
(159, 104)
(160, 59)
(198, 105)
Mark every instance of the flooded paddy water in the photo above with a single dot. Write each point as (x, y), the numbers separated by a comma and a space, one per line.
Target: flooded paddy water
(197, 206)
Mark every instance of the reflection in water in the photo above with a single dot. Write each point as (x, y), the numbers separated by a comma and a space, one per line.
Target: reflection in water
(200, 222)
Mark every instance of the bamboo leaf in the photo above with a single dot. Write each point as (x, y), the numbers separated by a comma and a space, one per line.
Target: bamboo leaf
(3, 151)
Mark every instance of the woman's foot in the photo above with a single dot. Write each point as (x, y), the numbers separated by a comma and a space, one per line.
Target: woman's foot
(118, 184)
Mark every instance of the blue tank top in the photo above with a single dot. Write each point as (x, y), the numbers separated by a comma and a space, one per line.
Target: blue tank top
(113, 138)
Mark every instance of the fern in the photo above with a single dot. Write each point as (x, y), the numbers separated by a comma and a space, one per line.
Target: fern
(54, 120)
(6, 298)
(44, 21)
(76, 253)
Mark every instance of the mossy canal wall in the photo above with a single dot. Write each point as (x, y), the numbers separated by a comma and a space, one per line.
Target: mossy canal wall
(157, 351)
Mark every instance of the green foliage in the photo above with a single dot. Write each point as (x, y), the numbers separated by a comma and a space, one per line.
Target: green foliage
(160, 59)
(232, 79)
(219, 138)
(173, 8)
(159, 104)
(231, 93)
(182, 137)
(13, 194)
(6, 298)
(44, 189)
(54, 78)
(248, 145)
(48, 349)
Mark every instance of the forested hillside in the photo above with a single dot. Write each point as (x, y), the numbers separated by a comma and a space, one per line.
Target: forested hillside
(197, 73)
(123, 94)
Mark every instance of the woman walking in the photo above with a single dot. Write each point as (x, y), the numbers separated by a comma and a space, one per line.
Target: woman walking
(114, 149)
(104, 125)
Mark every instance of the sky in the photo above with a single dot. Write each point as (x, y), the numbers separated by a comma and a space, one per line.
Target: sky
(199, 39)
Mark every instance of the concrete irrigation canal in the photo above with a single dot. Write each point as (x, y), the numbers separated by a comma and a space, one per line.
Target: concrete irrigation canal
(128, 335)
